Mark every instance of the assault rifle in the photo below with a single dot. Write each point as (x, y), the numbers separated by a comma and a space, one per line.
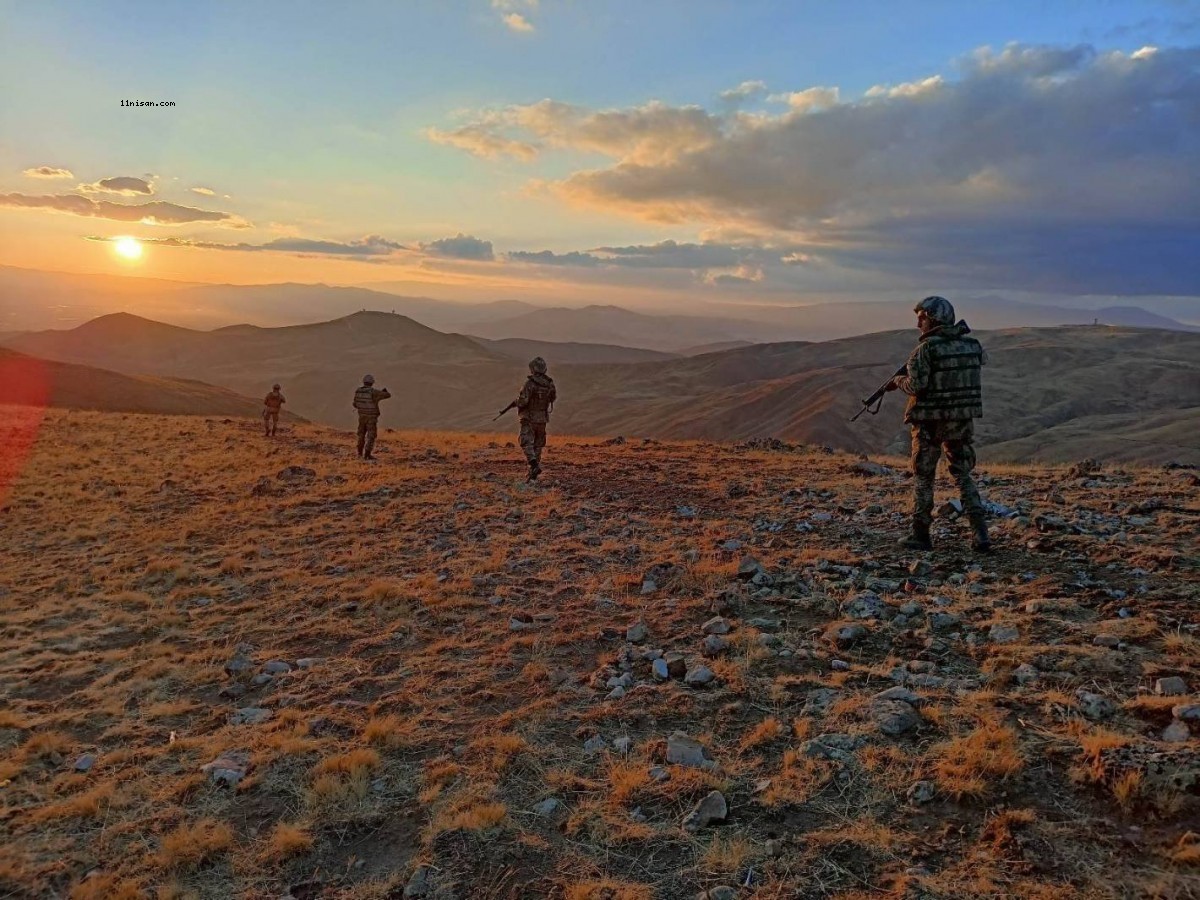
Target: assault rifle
(875, 401)
(506, 409)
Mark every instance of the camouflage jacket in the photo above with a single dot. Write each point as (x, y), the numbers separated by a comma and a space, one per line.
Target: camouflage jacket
(274, 401)
(536, 399)
(943, 381)
(366, 400)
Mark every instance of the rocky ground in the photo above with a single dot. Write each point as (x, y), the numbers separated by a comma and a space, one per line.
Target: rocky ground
(240, 668)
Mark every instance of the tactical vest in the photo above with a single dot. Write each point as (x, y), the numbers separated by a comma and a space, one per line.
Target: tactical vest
(540, 392)
(365, 402)
(273, 401)
(954, 389)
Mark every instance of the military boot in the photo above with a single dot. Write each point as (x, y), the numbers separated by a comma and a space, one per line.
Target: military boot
(918, 538)
(980, 542)
(535, 469)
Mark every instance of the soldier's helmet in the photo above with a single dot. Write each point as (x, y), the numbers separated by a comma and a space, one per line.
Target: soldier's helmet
(537, 365)
(937, 308)
(274, 387)
(368, 379)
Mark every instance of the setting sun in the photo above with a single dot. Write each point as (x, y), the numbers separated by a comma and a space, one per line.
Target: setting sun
(130, 248)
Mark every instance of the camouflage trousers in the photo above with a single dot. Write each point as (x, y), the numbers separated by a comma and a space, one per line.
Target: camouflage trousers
(270, 420)
(929, 440)
(533, 439)
(368, 430)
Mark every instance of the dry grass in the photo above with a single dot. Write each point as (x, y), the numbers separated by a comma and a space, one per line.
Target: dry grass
(431, 730)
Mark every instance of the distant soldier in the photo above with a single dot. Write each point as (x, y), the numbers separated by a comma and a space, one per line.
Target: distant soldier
(366, 402)
(534, 404)
(272, 404)
(944, 398)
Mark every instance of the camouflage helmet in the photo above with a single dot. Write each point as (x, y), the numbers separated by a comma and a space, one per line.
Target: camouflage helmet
(939, 309)
(368, 379)
(537, 365)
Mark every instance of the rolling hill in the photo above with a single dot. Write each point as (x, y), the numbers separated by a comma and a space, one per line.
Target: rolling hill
(1050, 393)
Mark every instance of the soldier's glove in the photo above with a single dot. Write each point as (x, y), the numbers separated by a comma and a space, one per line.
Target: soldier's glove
(893, 385)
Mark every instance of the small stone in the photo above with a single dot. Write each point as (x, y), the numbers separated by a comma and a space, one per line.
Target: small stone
(846, 635)
(85, 762)
(515, 624)
(635, 634)
(762, 624)
(228, 768)
(921, 792)
(658, 774)
(1177, 732)
(1186, 712)
(232, 691)
(594, 745)
(676, 664)
(716, 625)
(261, 678)
(250, 715)
(867, 605)
(895, 717)
(623, 745)
(240, 661)
(1106, 640)
(1094, 706)
(616, 693)
(919, 568)
(686, 751)
(547, 807)
(1026, 674)
(943, 621)
(749, 567)
(660, 670)
(699, 676)
(900, 693)
(1003, 634)
(712, 808)
(277, 667)
(1170, 687)
(839, 665)
(721, 892)
(420, 884)
(713, 645)
(309, 662)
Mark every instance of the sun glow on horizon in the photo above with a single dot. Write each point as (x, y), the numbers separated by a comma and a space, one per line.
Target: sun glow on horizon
(128, 247)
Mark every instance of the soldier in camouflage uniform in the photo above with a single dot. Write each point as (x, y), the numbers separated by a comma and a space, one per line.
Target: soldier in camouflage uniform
(272, 403)
(366, 403)
(533, 406)
(944, 399)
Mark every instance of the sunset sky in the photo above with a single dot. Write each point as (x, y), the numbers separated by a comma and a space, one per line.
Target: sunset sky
(578, 149)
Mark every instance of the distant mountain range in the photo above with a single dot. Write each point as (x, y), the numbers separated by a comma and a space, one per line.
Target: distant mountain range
(32, 300)
(1050, 393)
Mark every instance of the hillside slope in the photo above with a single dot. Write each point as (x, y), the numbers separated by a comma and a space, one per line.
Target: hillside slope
(285, 672)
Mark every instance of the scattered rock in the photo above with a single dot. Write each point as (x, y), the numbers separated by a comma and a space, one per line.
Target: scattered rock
(277, 667)
(1186, 712)
(867, 605)
(240, 661)
(750, 567)
(699, 676)
(232, 691)
(712, 808)
(420, 884)
(547, 807)
(515, 624)
(228, 768)
(714, 645)
(921, 792)
(623, 745)
(85, 762)
(659, 576)
(833, 746)
(839, 665)
(676, 664)
(635, 634)
(660, 670)
(594, 745)
(846, 635)
(717, 625)
(1003, 634)
(870, 469)
(309, 662)
(1170, 687)
(1094, 706)
(250, 715)
(894, 717)
(296, 474)
(720, 892)
(1106, 640)
(1026, 674)
(686, 751)
(1176, 733)
(658, 774)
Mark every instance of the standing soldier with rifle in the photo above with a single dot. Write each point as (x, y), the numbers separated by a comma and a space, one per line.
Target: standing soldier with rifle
(272, 404)
(366, 402)
(534, 404)
(943, 384)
